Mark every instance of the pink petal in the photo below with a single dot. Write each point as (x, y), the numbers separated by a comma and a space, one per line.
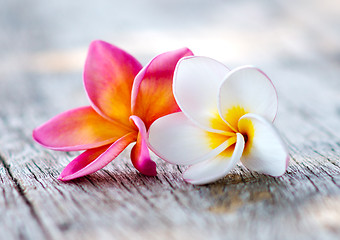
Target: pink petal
(78, 129)
(196, 85)
(92, 160)
(140, 155)
(152, 95)
(177, 140)
(108, 78)
(215, 168)
(265, 151)
(249, 90)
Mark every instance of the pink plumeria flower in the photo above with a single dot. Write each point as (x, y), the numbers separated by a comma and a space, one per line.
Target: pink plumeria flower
(226, 117)
(125, 100)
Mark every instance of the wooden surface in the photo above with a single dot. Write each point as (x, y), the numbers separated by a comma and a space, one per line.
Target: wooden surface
(42, 50)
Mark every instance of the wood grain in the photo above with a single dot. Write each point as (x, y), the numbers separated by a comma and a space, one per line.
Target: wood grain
(119, 203)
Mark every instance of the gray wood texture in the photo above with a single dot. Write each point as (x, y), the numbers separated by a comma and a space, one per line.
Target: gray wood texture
(42, 50)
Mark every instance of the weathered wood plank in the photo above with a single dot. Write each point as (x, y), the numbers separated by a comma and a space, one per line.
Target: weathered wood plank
(118, 200)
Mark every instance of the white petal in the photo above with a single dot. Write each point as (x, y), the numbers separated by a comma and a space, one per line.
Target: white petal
(248, 88)
(196, 85)
(265, 152)
(177, 140)
(215, 168)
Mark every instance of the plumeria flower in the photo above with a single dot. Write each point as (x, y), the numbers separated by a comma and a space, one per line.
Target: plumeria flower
(226, 117)
(125, 99)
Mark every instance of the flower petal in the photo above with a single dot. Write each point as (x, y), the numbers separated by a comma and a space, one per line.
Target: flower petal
(175, 139)
(152, 95)
(94, 159)
(247, 90)
(140, 154)
(78, 129)
(196, 85)
(108, 78)
(265, 151)
(215, 168)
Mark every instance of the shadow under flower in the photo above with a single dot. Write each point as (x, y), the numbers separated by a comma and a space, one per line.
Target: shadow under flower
(241, 189)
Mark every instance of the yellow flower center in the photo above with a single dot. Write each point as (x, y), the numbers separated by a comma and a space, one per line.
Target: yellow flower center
(243, 126)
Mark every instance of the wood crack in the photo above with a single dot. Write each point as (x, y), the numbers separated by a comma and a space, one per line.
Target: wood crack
(147, 200)
(325, 157)
(22, 194)
(34, 176)
(312, 182)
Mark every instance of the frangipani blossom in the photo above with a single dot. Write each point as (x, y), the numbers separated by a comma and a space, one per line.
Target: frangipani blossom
(125, 99)
(226, 118)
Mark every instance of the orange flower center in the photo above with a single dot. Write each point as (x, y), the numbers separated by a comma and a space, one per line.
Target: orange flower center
(234, 125)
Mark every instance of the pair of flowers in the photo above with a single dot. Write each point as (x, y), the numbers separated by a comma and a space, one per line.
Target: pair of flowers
(188, 110)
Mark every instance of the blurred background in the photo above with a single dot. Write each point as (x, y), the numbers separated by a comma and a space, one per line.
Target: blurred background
(52, 36)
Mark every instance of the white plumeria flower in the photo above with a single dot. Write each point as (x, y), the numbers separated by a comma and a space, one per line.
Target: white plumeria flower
(226, 117)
